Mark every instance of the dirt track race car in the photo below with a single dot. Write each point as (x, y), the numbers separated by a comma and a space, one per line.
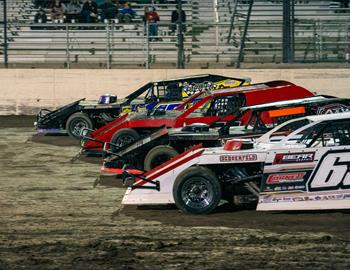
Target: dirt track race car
(163, 144)
(218, 107)
(165, 95)
(309, 169)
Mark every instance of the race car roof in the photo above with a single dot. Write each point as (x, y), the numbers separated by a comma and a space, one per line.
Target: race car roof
(293, 102)
(258, 86)
(325, 117)
(145, 87)
(312, 118)
(221, 77)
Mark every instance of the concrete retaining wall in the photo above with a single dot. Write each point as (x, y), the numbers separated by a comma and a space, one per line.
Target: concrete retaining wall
(25, 91)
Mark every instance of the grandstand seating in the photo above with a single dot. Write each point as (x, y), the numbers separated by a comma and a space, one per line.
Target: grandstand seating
(321, 34)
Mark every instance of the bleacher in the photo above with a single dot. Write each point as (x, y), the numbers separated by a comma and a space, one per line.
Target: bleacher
(321, 34)
(80, 44)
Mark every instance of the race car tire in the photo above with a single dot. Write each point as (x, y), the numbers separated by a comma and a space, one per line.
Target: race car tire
(158, 155)
(197, 191)
(124, 137)
(76, 122)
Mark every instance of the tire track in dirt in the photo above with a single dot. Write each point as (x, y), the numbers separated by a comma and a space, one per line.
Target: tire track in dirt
(52, 218)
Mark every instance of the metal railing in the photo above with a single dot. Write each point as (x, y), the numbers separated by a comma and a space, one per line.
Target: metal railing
(112, 45)
(102, 44)
(321, 35)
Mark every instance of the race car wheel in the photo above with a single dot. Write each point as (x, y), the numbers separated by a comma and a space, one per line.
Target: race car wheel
(197, 191)
(76, 122)
(124, 137)
(158, 155)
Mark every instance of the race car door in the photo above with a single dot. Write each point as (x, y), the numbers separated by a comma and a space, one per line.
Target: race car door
(313, 174)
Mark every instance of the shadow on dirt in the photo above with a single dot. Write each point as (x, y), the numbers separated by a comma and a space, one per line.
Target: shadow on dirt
(228, 216)
(91, 160)
(109, 181)
(57, 140)
(12, 121)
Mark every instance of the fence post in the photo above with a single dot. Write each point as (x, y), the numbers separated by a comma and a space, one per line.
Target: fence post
(67, 47)
(180, 38)
(287, 28)
(320, 54)
(5, 35)
(111, 46)
(292, 30)
(108, 44)
(347, 51)
(147, 45)
(216, 14)
(315, 41)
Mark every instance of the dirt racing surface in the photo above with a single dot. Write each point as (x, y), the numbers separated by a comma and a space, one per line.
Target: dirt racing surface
(51, 217)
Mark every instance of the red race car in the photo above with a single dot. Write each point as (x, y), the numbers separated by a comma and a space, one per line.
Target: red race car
(214, 109)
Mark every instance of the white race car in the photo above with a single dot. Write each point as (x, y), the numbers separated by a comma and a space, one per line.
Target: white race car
(303, 164)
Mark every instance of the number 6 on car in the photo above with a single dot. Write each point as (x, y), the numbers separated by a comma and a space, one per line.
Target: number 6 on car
(302, 164)
(313, 175)
(332, 172)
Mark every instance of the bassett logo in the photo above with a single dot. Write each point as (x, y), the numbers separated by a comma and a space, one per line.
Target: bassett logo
(285, 178)
(230, 158)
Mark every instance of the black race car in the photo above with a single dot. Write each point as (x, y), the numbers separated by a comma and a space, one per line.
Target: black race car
(162, 95)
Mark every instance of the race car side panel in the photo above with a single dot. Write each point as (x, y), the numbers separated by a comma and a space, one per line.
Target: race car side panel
(306, 179)
(143, 193)
(166, 174)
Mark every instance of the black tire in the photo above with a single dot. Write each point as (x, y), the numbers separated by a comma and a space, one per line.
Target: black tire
(159, 155)
(197, 191)
(124, 137)
(76, 122)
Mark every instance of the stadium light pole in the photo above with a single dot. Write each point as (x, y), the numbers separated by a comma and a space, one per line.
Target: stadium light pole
(180, 38)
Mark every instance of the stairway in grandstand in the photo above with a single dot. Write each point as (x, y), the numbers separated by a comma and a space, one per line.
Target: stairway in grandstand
(204, 37)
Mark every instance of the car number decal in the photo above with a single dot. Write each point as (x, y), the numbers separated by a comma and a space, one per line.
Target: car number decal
(332, 172)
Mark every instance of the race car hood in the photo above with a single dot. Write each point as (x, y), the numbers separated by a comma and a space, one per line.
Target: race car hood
(154, 115)
(135, 116)
(195, 132)
(103, 134)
